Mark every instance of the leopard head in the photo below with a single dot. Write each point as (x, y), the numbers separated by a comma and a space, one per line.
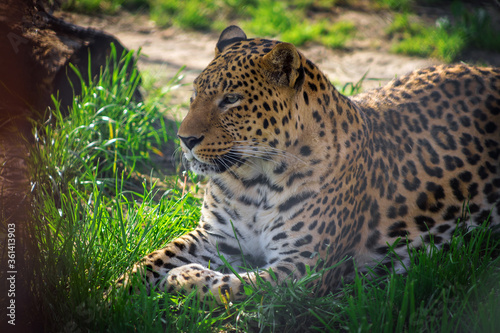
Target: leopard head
(243, 104)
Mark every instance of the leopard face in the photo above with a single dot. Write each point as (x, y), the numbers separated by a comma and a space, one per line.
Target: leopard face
(298, 172)
(240, 108)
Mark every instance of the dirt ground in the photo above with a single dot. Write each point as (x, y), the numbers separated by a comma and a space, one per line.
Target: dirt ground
(165, 51)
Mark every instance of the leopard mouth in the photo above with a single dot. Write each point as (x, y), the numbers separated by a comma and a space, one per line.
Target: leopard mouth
(215, 166)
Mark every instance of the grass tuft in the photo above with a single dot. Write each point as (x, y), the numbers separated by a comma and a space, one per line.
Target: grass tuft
(418, 40)
(449, 38)
(107, 131)
(438, 293)
(302, 21)
(276, 18)
(397, 5)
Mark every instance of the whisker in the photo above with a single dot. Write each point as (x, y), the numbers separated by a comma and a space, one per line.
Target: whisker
(236, 158)
(223, 162)
(178, 155)
(254, 146)
(246, 153)
(258, 155)
(261, 156)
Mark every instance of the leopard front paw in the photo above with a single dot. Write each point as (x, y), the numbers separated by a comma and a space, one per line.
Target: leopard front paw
(209, 284)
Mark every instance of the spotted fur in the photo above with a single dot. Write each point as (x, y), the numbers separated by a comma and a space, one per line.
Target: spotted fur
(300, 172)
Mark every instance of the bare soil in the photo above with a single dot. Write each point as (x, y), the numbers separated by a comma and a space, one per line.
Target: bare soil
(165, 51)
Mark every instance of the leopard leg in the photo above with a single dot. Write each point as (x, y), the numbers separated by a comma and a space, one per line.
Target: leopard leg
(183, 266)
(219, 285)
(192, 248)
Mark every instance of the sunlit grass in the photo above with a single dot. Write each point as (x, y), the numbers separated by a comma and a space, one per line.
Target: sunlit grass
(450, 36)
(419, 40)
(296, 22)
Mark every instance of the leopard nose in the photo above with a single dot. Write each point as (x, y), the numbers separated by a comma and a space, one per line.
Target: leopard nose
(191, 141)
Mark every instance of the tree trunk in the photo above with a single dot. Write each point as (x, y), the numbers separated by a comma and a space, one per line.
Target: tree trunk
(35, 52)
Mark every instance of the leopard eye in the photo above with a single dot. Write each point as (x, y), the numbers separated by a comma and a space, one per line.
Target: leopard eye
(229, 99)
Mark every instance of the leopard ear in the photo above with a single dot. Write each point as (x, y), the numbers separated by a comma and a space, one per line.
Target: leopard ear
(230, 35)
(283, 66)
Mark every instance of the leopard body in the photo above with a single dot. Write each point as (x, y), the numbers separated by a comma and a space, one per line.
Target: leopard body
(300, 175)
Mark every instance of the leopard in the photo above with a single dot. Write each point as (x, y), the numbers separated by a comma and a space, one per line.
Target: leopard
(301, 177)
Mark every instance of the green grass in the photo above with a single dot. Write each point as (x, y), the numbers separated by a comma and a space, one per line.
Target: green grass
(93, 6)
(442, 291)
(95, 219)
(450, 37)
(195, 14)
(301, 21)
(107, 131)
(397, 5)
(105, 6)
(275, 18)
(476, 26)
(264, 18)
(418, 40)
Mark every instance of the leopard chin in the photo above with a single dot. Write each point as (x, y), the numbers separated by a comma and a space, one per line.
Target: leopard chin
(218, 165)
